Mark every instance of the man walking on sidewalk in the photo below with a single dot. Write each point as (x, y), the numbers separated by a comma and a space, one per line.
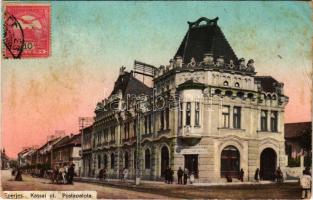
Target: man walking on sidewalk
(186, 173)
(180, 175)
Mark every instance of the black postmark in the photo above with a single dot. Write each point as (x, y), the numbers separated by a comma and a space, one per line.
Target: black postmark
(13, 36)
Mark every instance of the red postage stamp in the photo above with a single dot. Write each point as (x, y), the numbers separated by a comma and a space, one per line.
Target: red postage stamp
(26, 30)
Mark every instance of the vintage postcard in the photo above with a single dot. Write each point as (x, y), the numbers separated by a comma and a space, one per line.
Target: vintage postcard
(156, 100)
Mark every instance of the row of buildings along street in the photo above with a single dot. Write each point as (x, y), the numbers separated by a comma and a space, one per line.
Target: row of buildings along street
(206, 111)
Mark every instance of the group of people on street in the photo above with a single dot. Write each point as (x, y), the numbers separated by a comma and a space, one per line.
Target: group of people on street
(169, 175)
(183, 175)
(63, 174)
(124, 174)
(277, 176)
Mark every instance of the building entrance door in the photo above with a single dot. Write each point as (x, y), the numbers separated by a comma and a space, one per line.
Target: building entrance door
(191, 163)
(165, 161)
(268, 164)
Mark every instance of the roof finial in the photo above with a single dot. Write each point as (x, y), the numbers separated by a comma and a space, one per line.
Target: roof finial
(209, 22)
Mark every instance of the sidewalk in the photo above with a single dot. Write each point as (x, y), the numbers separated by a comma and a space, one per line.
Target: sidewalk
(131, 183)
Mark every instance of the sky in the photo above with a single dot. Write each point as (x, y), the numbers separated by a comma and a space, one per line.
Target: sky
(91, 41)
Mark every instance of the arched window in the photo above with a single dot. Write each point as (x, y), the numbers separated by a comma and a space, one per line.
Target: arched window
(218, 92)
(99, 161)
(225, 83)
(228, 93)
(250, 95)
(230, 162)
(237, 85)
(112, 160)
(126, 163)
(240, 94)
(147, 159)
(105, 161)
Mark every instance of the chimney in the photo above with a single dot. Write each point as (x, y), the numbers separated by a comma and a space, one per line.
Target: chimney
(179, 61)
(220, 61)
(208, 58)
(171, 64)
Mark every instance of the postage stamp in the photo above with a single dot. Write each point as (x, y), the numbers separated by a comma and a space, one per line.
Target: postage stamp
(26, 30)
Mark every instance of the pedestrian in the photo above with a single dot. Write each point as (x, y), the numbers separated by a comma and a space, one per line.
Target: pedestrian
(241, 175)
(186, 173)
(305, 183)
(192, 178)
(125, 174)
(104, 173)
(13, 172)
(66, 173)
(171, 175)
(100, 176)
(180, 175)
(279, 175)
(229, 178)
(257, 175)
(307, 171)
(71, 173)
(18, 176)
(121, 174)
(62, 173)
(166, 175)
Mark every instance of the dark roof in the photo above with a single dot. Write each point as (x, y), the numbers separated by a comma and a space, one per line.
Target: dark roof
(190, 84)
(49, 142)
(294, 130)
(201, 39)
(267, 83)
(88, 129)
(130, 85)
(74, 140)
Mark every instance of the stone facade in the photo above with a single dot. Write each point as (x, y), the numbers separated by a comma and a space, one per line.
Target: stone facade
(213, 116)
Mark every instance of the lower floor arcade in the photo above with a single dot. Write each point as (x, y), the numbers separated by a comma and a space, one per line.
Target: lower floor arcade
(211, 160)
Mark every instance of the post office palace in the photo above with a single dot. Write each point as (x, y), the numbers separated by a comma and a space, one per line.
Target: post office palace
(206, 110)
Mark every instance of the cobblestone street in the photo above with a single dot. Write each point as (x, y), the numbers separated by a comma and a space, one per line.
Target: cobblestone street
(158, 190)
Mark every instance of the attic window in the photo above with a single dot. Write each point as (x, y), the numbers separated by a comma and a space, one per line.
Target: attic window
(225, 83)
(237, 85)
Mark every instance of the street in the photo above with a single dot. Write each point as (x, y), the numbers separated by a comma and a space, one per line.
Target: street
(157, 190)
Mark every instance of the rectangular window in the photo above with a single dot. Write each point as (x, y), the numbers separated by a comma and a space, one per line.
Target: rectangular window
(135, 128)
(263, 120)
(225, 113)
(150, 123)
(128, 130)
(197, 114)
(180, 115)
(162, 119)
(125, 131)
(113, 133)
(167, 117)
(237, 117)
(188, 114)
(274, 120)
(146, 124)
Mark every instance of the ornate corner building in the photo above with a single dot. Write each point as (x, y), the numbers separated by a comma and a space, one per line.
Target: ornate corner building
(207, 111)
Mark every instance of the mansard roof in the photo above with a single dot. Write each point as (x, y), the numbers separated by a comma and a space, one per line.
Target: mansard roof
(128, 84)
(201, 39)
(268, 83)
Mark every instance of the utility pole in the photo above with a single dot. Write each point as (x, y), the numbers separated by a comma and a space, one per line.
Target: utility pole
(82, 123)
